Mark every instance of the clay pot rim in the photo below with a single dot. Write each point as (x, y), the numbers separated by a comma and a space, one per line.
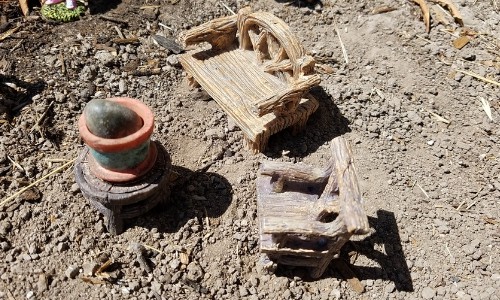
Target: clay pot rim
(128, 142)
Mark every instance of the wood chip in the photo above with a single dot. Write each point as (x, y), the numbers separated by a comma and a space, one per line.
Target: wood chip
(486, 107)
(461, 42)
(8, 33)
(452, 8)
(24, 7)
(426, 14)
(439, 118)
(383, 9)
(104, 266)
(92, 280)
(184, 258)
(168, 43)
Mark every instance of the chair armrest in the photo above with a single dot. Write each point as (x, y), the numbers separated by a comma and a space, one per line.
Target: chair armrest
(288, 99)
(220, 33)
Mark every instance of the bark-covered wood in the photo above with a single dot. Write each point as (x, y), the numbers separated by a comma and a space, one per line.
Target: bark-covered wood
(124, 200)
(263, 82)
(306, 214)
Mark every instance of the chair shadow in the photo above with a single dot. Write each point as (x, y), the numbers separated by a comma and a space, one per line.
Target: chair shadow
(323, 126)
(393, 265)
(193, 195)
(102, 6)
(301, 3)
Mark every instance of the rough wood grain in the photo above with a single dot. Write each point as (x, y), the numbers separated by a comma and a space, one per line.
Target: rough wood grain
(306, 214)
(255, 70)
(125, 200)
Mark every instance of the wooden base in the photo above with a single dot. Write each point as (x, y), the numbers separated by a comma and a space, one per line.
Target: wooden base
(307, 214)
(119, 201)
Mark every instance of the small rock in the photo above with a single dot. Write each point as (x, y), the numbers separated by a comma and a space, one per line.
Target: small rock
(414, 117)
(42, 284)
(89, 268)
(175, 263)
(428, 293)
(61, 247)
(495, 277)
(105, 58)
(335, 294)
(75, 188)
(134, 285)
(389, 288)
(431, 142)
(173, 60)
(72, 272)
(122, 86)
(30, 294)
(194, 272)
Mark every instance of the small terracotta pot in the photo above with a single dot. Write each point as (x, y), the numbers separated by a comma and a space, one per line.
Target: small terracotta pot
(122, 159)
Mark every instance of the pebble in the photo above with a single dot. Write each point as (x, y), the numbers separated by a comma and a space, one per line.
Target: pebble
(75, 188)
(89, 268)
(390, 287)
(42, 284)
(105, 58)
(194, 272)
(72, 272)
(428, 293)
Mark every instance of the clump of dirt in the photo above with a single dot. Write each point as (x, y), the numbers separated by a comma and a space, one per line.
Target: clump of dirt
(426, 151)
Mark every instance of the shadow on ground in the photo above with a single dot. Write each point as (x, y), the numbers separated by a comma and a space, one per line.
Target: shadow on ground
(323, 126)
(392, 263)
(301, 3)
(194, 195)
(102, 6)
(16, 94)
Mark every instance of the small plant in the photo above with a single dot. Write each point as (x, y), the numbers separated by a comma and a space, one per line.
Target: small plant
(59, 12)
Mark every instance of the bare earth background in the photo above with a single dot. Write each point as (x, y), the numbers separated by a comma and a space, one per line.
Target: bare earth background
(431, 186)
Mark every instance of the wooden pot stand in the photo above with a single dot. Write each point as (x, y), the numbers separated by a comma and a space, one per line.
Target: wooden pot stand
(307, 214)
(256, 70)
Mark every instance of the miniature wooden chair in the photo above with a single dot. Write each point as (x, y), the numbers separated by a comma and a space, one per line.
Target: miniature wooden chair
(256, 70)
(307, 214)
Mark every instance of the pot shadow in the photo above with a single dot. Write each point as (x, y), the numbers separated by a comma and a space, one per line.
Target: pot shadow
(393, 266)
(194, 194)
(102, 6)
(323, 126)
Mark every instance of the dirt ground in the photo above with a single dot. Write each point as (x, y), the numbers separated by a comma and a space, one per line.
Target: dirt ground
(427, 155)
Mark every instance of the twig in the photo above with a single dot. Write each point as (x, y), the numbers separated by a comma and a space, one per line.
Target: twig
(112, 19)
(439, 118)
(150, 6)
(486, 107)
(206, 217)
(8, 33)
(452, 259)
(479, 77)
(344, 52)
(423, 191)
(119, 32)
(16, 164)
(471, 205)
(37, 124)
(460, 205)
(165, 26)
(426, 14)
(154, 249)
(227, 7)
(36, 182)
